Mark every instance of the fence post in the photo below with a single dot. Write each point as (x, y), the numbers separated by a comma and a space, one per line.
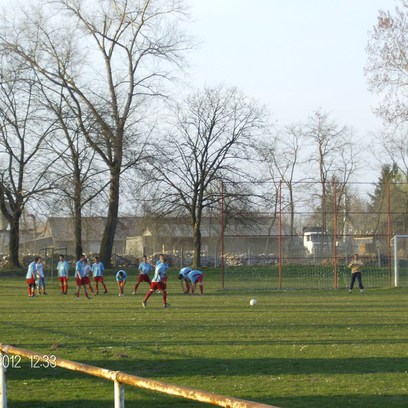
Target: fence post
(3, 383)
(119, 393)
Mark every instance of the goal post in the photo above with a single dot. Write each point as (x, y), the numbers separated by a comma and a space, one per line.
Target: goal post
(399, 245)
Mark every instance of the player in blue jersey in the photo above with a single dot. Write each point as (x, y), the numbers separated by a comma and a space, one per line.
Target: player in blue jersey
(145, 268)
(39, 270)
(158, 283)
(121, 280)
(30, 277)
(97, 272)
(182, 276)
(195, 276)
(62, 271)
(79, 276)
(87, 276)
(163, 261)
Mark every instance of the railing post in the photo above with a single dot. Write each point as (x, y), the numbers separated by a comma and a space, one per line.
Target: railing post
(119, 394)
(3, 383)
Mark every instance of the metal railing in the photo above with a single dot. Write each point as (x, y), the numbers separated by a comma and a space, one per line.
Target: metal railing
(119, 379)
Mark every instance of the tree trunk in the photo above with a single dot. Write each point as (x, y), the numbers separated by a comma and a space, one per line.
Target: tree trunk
(108, 236)
(197, 246)
(14, 241)
(78, 233)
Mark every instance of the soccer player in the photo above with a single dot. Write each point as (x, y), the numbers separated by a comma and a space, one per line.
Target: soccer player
(30, 278)
(145, 268)
(356, 266)
(86, 279)
(182, 276)
(39, 271)
(163, 261)
(121, 279)
(62, 271)
(97, 271)
(79, 276)
(158, 283)
(195, 276)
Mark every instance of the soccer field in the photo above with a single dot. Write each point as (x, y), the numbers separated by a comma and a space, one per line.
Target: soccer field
(294, 348)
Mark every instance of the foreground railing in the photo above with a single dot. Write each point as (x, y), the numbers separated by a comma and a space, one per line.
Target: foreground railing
(119, 379)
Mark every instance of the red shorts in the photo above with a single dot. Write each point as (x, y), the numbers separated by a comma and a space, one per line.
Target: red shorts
(143, 277)
(200, 279)
(62, 279)
(79, 281)
(30, 281)
(98, 278)
(158, 286)
(86, 280)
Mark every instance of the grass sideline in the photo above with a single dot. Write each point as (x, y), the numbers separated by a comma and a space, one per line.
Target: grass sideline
(295, 348)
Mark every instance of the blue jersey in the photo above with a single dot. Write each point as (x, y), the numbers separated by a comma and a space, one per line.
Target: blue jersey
(121, 276)
(184, 272)
(62, 268)
(145, 268)
(97, 269)
(194, 275)
(80, 269)
(160, 272)
(31, 270)
(166, 265)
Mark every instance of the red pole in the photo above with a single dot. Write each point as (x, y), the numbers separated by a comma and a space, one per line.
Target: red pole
(335, 234)
(280, 236)
(222, 237)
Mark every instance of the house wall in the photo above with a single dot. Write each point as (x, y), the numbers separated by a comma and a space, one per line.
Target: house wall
(135, 246)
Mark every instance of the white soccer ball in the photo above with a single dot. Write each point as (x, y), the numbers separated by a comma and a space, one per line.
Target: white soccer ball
(252, 302)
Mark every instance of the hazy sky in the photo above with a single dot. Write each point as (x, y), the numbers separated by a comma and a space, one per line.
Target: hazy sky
(294, 55)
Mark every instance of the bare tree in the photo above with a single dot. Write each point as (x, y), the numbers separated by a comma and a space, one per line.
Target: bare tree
(111, 58)
(23, 167)
(78, 176)
(282, 156)
(387, 63)
(333, 154)
(206, 145)
(392, 143)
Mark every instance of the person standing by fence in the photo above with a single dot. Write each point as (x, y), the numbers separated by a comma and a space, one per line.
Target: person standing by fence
(356, 266)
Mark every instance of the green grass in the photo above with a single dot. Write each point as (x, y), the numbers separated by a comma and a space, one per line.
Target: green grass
(295, 348)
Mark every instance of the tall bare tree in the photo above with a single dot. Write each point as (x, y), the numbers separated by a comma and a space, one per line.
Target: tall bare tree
(387, 63)
(332, 154)
(78, 175)
(23, 131)
(111, 58)
(283, 159)
(206, 144)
